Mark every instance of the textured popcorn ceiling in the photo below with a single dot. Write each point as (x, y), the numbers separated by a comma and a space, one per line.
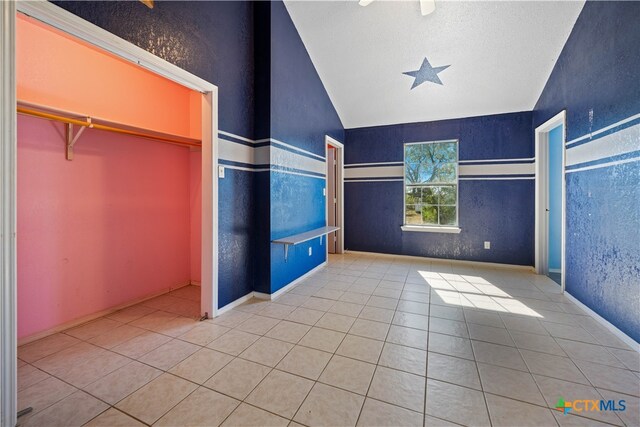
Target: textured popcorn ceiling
(501, 54)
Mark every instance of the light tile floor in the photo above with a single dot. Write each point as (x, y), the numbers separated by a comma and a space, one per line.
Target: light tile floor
(368, 340)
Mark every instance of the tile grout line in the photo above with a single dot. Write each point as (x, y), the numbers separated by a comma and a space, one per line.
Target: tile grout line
(311, 326)
(534, 379)
(325, 367)
(426, 366)
(579, 370)
(475, 361)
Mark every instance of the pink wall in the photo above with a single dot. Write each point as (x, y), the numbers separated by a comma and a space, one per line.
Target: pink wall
(120, 221)
(195, 196)
(56, 70)
(108, 227)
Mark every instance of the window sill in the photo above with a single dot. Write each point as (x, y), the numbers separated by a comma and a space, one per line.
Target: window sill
(431, 229)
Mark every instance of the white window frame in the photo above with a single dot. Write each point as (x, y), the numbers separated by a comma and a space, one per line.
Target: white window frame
(430, 228)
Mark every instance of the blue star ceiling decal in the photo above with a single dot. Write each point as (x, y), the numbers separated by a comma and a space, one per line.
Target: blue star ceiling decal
(426, 73)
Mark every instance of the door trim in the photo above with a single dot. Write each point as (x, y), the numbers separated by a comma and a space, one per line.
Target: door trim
(8, 266)
(339, 192)
(541, 194)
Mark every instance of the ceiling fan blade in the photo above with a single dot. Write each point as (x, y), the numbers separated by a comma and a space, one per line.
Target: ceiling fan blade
(427, 6)
(365, 2)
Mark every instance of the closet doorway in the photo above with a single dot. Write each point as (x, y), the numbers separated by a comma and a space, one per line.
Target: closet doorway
(123, 208)
(73, 128)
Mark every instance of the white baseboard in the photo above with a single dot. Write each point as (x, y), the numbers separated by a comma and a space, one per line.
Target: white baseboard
(617, 332)
(235, 303)
(290, 285)
(527, 268)
(273, 296)
(93, 316)
(262, 295)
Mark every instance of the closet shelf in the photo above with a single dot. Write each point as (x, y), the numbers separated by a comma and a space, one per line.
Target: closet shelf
(71, 119)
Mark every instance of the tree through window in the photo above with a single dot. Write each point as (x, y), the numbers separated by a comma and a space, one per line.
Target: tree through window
(431, 183)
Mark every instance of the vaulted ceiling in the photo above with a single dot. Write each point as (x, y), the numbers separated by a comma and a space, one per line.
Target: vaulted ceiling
(500, 55)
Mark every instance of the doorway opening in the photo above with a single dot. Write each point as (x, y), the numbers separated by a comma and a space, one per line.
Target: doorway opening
(335, 194)
(205, 96)
(550, 198)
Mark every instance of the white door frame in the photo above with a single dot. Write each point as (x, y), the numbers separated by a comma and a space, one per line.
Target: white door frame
(542, 194)
(67, 22)
(339, 191)
(8, 267)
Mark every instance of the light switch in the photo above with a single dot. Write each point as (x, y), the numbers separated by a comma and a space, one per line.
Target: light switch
(310, 251)
(220, 171)
(324, 192)
(487, 245)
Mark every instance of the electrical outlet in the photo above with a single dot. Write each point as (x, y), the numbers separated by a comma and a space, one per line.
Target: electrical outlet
(487, 245)
(310, 250)
(220, 171)
(324, 192)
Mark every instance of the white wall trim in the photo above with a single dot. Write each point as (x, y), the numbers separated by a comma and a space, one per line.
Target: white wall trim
(389, 163)
(232, 135)
(294, 148)
(496, 178)
(262, 296)
(375, 180)
(603, 165)
(527, 159)
(93, 316)
(295, 173)
(614, 144)
(270, 297)
(526, 268)
(496, 169)
(604, 129)
(290, 285)
(290, 159)
(617, 332)
(235, 303)
(8, 267)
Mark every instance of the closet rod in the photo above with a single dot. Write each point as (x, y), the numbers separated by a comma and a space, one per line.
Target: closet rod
(92, 124)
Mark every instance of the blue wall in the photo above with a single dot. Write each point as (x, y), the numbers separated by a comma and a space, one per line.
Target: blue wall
(492, 206)
(301, 114)
(596, 81)
(555, 198)
(301, 111)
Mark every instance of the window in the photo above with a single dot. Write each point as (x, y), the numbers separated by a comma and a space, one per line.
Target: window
(431, 184)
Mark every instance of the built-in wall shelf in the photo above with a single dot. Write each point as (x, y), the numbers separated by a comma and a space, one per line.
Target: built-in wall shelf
(296, 239)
